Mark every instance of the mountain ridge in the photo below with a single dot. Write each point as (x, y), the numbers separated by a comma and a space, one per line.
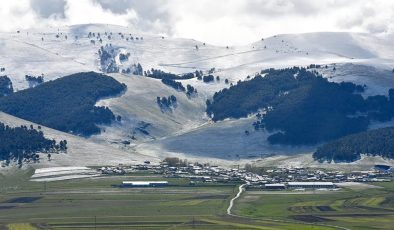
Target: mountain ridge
(42, 52)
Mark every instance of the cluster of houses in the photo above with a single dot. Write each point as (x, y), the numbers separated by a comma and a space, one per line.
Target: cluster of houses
(273, 178)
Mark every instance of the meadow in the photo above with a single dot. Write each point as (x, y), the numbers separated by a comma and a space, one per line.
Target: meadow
(99, 203)
(351, 208)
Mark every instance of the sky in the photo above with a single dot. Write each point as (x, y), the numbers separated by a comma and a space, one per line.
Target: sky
(219, 22)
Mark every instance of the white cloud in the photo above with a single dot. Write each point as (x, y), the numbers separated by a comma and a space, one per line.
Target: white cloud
(240, 22)
(16, 15)
(224, 22)
(88, 11)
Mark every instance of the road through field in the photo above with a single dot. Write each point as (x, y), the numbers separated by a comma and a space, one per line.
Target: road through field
(241, 189)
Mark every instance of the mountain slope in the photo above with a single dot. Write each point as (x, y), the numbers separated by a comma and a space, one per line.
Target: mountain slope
(66, 104)
(360, 58)
(139, 104)
(80, 152)
(36, 52)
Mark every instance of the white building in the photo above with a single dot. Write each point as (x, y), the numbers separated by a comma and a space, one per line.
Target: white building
(275, 186)
(310, 185)
(144, 183)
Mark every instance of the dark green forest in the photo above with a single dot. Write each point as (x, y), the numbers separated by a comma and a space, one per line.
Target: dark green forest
(379, 142)
(66, 104)
(305, 107)
(23, 143)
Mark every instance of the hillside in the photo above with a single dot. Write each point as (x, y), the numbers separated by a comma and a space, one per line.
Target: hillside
(42, 52)
(22, 143)
(80, 151)
(66, 104)
(301, 106)
(186, 130)
(138, 109)
(379, 142)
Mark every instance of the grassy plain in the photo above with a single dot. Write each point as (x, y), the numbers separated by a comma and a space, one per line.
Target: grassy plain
(352, 208)
(99, 203)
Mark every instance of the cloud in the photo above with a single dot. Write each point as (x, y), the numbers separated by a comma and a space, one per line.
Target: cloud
(223, 22)
(48, 8)
(16, 15)
(372, 16)
(88, 11)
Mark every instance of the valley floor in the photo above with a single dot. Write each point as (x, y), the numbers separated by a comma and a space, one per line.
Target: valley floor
(100, 203)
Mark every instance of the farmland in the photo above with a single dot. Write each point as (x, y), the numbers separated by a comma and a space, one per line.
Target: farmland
(98, 203)
(352, 208)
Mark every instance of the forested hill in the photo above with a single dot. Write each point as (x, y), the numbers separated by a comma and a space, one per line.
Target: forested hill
(304, 106)
(379, 142)
(66, 104)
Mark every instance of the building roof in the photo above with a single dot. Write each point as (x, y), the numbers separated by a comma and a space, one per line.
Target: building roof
(144, 183)
(310, 183)
(274, 185)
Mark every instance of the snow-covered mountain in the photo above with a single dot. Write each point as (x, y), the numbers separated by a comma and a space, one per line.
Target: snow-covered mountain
(187, 131)
(51, 53)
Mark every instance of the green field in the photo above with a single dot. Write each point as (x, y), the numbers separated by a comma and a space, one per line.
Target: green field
(362, 208)
(99, 204)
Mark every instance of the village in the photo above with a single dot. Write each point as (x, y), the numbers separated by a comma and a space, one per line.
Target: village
(258, 178)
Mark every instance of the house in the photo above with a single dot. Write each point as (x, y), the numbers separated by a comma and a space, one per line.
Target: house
(144, 183)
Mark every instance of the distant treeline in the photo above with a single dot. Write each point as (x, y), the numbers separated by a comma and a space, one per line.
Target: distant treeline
(189, 90)
(66, 104)
(379, 142)
(159, 74)
(21, 143)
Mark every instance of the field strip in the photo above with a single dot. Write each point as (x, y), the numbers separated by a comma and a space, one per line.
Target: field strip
(291, 222)
(131, 191)
(243, 225)
(81, 217)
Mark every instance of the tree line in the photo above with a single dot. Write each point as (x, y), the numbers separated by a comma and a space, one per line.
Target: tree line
(23, 143)
(379, 142)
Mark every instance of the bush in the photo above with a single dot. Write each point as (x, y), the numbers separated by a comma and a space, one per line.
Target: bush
(208, 78)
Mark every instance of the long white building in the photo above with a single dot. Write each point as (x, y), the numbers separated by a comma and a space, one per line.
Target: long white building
(275, 186)
(310, 185)
(144, 183)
